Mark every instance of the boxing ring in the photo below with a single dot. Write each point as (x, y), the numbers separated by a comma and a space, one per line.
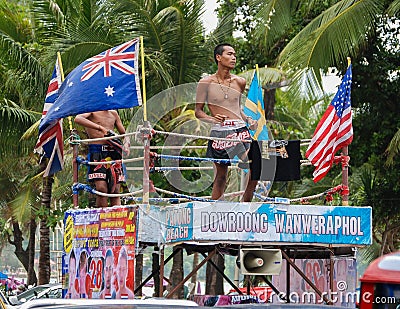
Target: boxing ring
(293, 228)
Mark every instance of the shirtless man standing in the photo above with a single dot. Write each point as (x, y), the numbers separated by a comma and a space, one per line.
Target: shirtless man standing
(106, 177)
(222, 92)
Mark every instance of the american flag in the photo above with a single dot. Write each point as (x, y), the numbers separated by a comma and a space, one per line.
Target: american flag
(107, 81)
(50, 142)
(334, 131)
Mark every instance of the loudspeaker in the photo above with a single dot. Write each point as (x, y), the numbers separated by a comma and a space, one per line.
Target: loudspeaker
(255, 261)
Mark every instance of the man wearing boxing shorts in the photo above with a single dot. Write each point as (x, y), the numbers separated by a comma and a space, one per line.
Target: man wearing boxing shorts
(222, 92)
(106, 177)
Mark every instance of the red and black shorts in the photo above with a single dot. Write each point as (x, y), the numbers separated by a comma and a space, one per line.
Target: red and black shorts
(111, 173)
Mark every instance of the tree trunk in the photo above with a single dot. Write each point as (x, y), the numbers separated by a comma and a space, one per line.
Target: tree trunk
(22, 255)
(32, 279)
(176, 274)
(214, 280)
(193, 279)
(269, 103)
(44, 256)
(138, 272)
(155, 265)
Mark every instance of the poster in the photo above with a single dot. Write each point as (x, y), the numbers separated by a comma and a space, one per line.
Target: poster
(99, 252)
(342, 293)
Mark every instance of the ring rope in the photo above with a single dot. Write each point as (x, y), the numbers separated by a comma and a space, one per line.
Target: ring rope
(81, 160)
(181, 197)
(78, 140)
(307, 198)
(264, 198)
(205, 137)
(174, 200)
(180, 168)
(198, 159)
(177, 168)
(192, 198)
(208, 197)
(169, 147)
(76, 187)
(88, 140)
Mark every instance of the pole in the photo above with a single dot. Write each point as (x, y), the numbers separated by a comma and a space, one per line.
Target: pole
(75, 173)
(161, 291)
(146, 163)
(74, 146)
(143, 80)
(146, 134)
(345, 165)
(345, 176)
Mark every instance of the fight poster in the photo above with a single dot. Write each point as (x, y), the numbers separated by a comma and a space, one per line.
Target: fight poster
(99, 253)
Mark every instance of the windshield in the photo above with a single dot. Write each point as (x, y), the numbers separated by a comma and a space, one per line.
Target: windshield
(32, 292)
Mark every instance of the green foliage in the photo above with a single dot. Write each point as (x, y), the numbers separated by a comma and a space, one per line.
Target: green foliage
(377, 119)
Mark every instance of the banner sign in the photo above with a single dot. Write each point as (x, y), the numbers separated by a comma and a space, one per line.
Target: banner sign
(178, 222)
(267, 223)
(98, 252)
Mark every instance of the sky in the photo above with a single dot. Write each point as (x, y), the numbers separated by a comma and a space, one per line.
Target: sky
(210, 17)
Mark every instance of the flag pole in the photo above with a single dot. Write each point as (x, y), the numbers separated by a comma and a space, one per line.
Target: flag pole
(143, 80)
(146, 134)
(74, 146)
(345, 165)
(257, 72)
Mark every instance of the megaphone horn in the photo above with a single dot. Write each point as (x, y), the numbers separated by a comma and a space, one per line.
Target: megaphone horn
(251, 261)
(260, 261)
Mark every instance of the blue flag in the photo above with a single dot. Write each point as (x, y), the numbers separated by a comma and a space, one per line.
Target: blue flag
(107, 81)
(254, 107)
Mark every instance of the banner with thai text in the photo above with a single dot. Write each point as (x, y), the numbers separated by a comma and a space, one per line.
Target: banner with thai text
(99, 252)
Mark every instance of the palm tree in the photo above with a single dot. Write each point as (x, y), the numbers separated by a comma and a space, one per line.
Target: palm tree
(21, 73)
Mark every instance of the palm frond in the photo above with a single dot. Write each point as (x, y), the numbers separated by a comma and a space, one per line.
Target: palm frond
(14, 121)
(18, 55)
(223, 31)
(267, 75)
(394, 8)
(336, 34)
(273, 19)
(21, 205)
(393, 149)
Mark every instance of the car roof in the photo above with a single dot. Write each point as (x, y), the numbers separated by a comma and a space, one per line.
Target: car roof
(385, 269)
(3, 298)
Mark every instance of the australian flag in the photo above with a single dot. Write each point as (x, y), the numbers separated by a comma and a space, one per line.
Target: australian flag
(107, 81)
(50, 143)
